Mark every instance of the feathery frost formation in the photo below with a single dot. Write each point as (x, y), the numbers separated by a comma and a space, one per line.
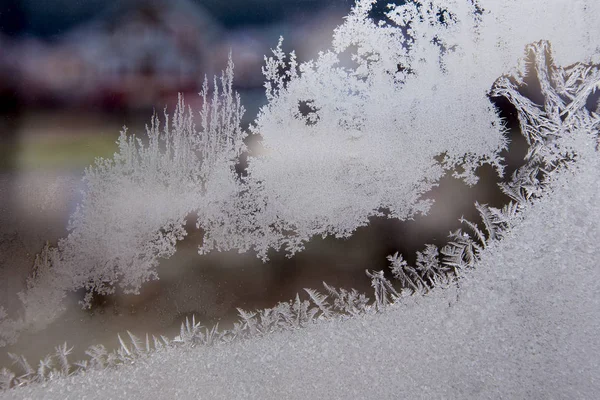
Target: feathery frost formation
(523, 324)
(135, 205)
(365, 129)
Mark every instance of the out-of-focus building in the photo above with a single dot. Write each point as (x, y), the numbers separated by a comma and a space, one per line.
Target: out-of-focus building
(136, 54)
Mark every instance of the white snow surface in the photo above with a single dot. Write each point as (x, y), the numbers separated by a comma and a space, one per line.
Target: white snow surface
(524, 324)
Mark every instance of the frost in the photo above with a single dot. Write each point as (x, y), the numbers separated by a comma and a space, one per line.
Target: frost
(135, 205)
(524, 325)
(366, 129)
(133, 211)
(400, 113)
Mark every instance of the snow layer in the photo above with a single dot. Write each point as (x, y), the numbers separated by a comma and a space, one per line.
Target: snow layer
(524, 324)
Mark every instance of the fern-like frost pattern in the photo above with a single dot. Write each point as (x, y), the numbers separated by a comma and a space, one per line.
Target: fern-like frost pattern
(366, 129)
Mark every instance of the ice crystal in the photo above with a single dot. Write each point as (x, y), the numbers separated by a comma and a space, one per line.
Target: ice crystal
(366, 129)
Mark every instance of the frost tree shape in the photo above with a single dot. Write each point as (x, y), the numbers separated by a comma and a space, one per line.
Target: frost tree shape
(369, 137)
(134, 206)
(371, 125)
(366, 129)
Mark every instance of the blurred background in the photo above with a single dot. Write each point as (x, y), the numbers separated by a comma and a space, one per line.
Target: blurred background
(130, 56)
(72, 73)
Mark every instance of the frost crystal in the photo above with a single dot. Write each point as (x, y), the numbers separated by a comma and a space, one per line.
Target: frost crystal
(135, 204)
(366, 129)
(350, 140)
